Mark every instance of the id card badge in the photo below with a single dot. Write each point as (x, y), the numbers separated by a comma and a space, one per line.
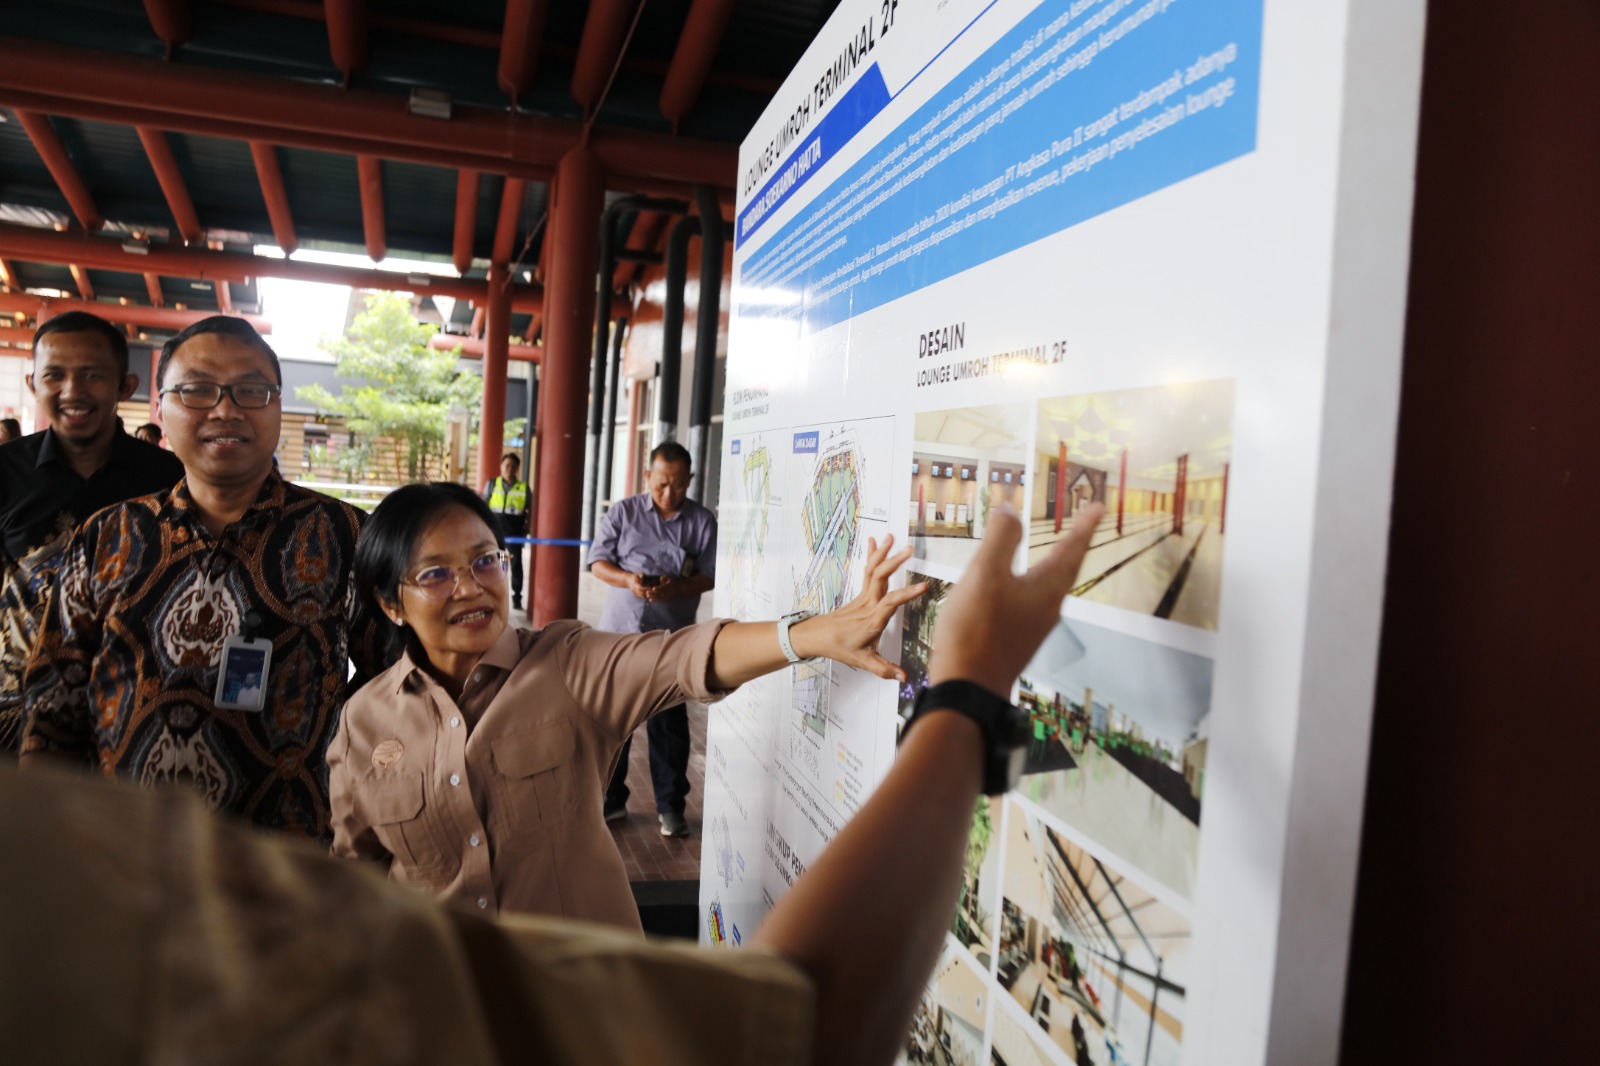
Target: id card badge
(242, 673)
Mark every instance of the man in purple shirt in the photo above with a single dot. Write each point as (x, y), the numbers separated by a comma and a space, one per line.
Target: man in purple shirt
(658, 552)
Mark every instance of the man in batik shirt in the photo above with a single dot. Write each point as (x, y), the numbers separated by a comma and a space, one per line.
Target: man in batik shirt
(126, 667)
(52, 480)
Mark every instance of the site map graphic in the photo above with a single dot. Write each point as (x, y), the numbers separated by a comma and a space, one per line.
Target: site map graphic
(840, 478)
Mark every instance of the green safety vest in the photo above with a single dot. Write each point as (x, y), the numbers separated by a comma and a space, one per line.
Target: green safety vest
(513, 502)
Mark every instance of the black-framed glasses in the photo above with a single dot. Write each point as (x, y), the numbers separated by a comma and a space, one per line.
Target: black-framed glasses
(440, 582)
(204, 395)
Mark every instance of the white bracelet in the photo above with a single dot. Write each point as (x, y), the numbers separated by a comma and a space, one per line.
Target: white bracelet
(783, 633)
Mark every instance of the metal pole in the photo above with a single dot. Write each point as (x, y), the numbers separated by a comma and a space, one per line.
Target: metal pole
(707, 325)
(672, 328)
(608, 441)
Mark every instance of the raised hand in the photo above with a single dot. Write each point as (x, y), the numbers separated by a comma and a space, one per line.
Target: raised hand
(994, 620)
(850, 635)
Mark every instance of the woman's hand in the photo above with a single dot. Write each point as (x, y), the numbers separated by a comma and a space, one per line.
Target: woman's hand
(850, 635)
(994, 620)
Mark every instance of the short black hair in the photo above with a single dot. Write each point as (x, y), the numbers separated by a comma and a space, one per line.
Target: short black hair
(514, 457)
(388, 538)
(228, 326)
(13, 426)
(84, 322)
(672, 452)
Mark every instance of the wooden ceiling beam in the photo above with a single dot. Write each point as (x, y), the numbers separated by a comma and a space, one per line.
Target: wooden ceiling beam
(159, 151)
(45, 246)
(89, 83)
(369, 170)
(466, 231)
(275, 195)
(80, 278)
(505, 230)
(703, 30)
(47, 142)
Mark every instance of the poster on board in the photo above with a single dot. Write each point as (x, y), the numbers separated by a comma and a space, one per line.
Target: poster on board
(1040, 254)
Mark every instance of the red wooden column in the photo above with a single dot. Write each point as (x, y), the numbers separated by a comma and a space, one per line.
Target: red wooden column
(1222, 519)
(564, 381)
(496, 353)
(1178, 493)
(1122, 490)
(1061, 484)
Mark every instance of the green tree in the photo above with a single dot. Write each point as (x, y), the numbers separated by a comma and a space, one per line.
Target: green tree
(400, 388)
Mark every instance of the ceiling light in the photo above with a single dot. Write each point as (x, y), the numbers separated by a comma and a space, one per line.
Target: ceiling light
(429, 103)
(136, 246)
(421, 281)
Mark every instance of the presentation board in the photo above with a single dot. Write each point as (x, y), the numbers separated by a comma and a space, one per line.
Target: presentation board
(1040, 255)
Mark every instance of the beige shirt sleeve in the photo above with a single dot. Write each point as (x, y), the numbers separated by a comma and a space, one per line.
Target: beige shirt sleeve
(353, 835)
(621, 679)
(137, 927)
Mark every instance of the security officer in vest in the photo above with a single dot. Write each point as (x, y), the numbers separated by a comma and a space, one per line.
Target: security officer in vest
(509, 500)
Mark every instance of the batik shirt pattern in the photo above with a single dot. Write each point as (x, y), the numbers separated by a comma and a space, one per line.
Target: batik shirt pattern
(42, 501)
(126, 664)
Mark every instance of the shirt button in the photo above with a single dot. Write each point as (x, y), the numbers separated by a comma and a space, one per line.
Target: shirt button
(473, 840)
(455, 779)
(483, 904)
(454, 721)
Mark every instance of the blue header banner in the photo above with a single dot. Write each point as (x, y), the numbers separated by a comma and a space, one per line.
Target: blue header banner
(1085, 105)
(805, 442)
(857, 107)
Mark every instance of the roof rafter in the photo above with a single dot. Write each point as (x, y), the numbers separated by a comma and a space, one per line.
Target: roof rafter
(369, 170)
(47, 142)
(44, 246)
(466, 219)
(80, 278)
(275, 195)
(165, 164)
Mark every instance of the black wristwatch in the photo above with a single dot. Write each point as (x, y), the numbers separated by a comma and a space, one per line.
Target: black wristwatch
(1004, 725)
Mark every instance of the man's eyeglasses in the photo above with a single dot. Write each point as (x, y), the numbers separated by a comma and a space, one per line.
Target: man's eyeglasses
(441, 582)
(204, 395)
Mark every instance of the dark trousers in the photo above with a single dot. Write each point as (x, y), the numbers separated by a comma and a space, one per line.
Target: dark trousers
(511, 526)
(669, 761)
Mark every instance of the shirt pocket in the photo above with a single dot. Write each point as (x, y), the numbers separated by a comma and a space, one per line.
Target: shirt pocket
(536, 774)
(396, 808)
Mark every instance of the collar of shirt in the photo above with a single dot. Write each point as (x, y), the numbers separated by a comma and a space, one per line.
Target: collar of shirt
(502, 655)
(50, 450)
(268, 504)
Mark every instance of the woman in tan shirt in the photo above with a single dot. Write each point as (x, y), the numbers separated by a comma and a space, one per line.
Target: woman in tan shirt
(474, 765)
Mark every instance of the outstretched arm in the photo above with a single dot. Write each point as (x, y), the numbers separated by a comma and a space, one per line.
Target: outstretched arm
(867, 919)
(746, 650)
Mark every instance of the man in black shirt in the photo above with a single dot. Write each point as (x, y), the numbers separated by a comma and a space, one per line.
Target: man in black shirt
(52, 480)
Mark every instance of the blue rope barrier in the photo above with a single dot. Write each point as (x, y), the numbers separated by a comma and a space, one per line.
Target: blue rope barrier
(552, 541)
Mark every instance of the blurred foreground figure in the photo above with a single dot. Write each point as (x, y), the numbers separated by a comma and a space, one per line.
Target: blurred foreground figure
(135, 927)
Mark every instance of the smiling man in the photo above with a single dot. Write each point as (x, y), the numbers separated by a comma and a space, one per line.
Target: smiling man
(52, 480)
(155, 593)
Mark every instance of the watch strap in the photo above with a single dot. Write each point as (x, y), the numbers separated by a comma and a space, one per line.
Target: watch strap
(999, 719)
(783, 633)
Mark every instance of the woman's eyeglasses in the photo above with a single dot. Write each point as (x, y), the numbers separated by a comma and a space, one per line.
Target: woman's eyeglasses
(441, 582)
